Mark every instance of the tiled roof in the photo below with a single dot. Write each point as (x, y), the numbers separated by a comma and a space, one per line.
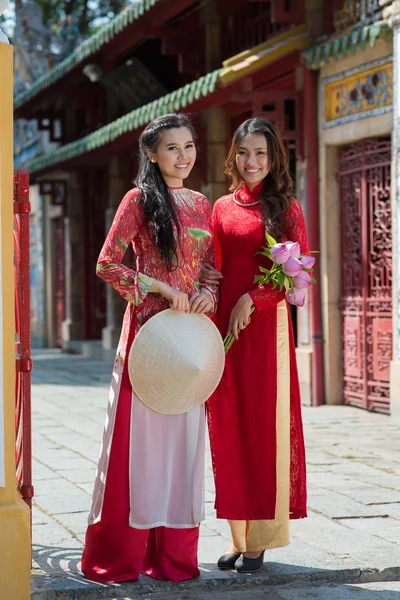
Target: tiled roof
(86, 49)
(172, 102)
(316, 57)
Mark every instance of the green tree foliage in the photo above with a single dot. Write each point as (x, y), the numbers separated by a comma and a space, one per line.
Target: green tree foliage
(89, 15)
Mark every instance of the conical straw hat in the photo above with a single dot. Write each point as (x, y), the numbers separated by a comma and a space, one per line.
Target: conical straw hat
(176, 361)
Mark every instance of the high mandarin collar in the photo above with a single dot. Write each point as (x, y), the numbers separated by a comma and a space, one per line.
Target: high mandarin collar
(247, 196)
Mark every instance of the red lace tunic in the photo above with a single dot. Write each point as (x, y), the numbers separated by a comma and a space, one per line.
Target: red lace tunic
(195, 247)
(242, 411)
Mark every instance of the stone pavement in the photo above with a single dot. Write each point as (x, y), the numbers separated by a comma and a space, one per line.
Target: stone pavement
(351, 538)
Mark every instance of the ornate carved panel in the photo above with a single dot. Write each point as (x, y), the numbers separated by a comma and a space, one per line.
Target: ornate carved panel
(364, 175)
(357, 93)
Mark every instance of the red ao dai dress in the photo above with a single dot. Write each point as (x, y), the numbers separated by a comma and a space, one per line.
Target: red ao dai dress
(254, 415)
(148, 496)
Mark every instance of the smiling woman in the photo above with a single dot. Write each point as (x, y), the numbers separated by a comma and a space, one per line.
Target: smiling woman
(175, 155)
(252, 159)
(255, 414)
(148, 496)
(167, 156)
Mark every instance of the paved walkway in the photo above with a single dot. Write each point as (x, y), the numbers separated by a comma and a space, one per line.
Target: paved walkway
(352, 535)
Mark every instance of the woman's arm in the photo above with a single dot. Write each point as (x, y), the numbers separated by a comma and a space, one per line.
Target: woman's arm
(130, 284)
(207, 288)
(294, 229)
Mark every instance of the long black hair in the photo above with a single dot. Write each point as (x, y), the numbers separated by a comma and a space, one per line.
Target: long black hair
(278, 185)
(158, 206)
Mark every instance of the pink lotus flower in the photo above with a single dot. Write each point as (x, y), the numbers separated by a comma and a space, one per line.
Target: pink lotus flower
(292, 267)
(302, 280)
(280, 253)
(307, 261)
(296, 297)
(294, 248)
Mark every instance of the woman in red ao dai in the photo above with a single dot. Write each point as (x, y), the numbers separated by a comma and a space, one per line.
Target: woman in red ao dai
(148, 496)
(254, 416)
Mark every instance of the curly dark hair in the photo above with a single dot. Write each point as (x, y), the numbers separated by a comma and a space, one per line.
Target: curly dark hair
(155, 197)
(278, 184)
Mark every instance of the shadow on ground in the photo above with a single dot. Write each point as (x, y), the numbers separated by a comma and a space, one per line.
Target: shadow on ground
(56, 575)
(58, 368)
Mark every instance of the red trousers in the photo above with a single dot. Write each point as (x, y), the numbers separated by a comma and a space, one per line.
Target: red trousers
(116, 552)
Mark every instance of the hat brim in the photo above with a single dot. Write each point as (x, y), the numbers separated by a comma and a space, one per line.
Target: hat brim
(176, 361)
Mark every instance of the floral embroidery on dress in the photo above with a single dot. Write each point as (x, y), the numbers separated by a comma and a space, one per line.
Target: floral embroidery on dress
(195, 247)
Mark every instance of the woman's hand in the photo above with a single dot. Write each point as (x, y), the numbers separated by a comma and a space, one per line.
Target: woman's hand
(177, 300)
(209, 276)
(240, 315)
(201, 303)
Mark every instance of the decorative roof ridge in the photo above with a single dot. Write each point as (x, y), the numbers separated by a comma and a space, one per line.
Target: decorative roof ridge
(319, 55)
(282, 37)
(172, 102)
(276, 47)
(86, 49)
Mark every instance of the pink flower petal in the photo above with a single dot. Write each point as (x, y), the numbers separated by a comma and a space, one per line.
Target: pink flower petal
(295, 297)
(292, 267)
(280, 253)
(307, 261)
(302, 280)
(294, 248)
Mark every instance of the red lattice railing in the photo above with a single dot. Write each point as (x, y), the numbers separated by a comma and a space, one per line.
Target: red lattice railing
(23, 364)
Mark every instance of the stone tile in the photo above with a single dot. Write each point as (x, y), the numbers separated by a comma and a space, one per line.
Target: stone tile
(79, 476)
(359, 491)
(67, 463)
(39, 517)
(51, 487)
(305, 558)
(353, 457)
(79, 444)
(328, 592)
(337, 506)
(392, 509)
(220, 526)
(227, 594)
(75, 522)
(387, 529)
(379, 587)
(211, 548)
(40, 472)
(87, 487)
(209, 497)
(211, 571)
(205, 531)
(210, 510)
(58, 504)
(364, 548)
(209, 482)
(50, 534)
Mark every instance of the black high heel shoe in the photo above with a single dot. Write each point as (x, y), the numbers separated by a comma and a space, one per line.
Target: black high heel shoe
(228, 561)
(249, 565)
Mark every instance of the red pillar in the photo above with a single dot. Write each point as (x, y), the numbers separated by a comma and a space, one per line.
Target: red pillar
(311, 155)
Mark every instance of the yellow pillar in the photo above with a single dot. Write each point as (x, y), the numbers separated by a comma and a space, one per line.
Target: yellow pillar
(15, 543)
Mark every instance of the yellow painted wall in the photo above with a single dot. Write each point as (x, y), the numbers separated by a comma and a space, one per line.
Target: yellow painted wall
(15, 544)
